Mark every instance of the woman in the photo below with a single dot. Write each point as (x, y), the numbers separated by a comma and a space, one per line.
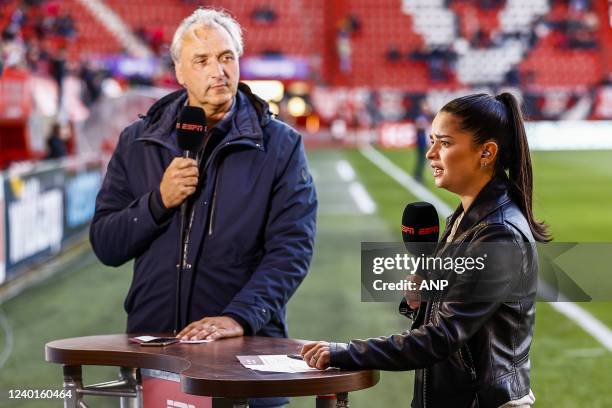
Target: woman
(468, 354)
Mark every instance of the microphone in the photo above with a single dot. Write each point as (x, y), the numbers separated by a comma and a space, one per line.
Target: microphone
(420, 224)
(420, 230)
(190, 133)
(190, 130)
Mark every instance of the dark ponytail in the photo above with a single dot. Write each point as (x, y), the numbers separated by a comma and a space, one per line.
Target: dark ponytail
(500, 119)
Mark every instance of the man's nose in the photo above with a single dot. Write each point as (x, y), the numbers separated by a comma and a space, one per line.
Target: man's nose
(217, 69)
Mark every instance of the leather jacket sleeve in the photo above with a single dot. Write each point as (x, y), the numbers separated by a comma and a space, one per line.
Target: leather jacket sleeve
(447, 325)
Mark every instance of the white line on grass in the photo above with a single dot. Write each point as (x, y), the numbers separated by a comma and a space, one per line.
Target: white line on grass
(345, 170)
(404, 179)
(357, 191)
(572, 311)
(362, 198)
(587, 321)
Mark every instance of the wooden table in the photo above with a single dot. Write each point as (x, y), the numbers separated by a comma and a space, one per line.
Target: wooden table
(208, 369)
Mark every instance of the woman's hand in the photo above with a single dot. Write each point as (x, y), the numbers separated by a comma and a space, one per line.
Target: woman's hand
(413, 297)
(316, 354)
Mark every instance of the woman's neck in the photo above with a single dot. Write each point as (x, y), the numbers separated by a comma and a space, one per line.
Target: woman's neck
(468, 197)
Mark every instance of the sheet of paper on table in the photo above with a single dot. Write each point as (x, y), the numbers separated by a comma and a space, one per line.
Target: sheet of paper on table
(146, 339)
(275, 363)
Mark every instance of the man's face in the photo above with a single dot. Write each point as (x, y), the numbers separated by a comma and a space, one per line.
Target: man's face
(208, 68)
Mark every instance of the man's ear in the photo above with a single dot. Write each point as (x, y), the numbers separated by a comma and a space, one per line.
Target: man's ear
(179, 73)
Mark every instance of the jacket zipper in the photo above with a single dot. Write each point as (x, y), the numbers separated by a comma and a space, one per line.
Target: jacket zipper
(213, 204)
(471, 366)
(429, 317)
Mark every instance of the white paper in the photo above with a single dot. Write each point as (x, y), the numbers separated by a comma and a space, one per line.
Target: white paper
(275, 363)
(146, 339)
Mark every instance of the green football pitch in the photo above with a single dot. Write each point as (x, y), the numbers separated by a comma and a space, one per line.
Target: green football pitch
(570, 368)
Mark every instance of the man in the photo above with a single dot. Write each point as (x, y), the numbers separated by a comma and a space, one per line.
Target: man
(423, 123)
(253, 199)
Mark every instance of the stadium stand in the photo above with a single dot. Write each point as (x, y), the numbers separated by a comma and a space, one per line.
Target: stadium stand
(371, 63)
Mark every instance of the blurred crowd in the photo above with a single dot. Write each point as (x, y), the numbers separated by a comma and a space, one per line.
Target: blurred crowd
(576, 30)
(37, 37)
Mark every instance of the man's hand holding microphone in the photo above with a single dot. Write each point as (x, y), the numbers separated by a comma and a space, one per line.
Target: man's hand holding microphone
(179, 181)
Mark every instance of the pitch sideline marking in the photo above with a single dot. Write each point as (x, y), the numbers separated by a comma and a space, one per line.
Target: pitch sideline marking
(358, 192)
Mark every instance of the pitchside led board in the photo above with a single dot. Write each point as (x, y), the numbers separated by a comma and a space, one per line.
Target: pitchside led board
(2, 240)
(34, 208)
(41, 209)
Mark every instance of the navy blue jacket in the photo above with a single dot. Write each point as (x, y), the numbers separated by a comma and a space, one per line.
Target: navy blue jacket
(253, 226)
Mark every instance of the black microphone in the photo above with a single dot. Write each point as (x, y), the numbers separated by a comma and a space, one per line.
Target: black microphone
(420, 230)
(190, 133)
(420, 223)
(190, 130)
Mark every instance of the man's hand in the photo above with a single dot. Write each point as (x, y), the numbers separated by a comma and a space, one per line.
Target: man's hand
(179, 181)
(316, 354)
(211, 328)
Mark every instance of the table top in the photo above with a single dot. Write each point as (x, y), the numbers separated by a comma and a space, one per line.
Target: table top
(211, 369)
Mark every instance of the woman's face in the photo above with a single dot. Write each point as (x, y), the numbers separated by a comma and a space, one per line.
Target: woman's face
(455, 160)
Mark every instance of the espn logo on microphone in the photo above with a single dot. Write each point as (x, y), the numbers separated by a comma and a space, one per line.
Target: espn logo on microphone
(420, 231)
(189, 126)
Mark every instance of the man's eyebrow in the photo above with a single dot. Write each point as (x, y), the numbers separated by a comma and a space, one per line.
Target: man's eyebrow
(204, 55)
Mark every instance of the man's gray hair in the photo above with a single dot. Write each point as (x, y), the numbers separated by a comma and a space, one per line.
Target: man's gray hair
(208, 18)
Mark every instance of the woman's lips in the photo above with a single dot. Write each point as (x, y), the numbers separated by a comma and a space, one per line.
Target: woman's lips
(437, 171)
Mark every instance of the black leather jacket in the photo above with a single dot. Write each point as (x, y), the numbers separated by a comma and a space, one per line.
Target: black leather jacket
(466, 354)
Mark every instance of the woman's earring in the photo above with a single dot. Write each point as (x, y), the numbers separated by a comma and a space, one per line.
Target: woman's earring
(483, 164)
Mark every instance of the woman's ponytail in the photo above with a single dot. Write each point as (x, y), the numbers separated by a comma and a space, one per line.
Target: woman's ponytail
(518, 163)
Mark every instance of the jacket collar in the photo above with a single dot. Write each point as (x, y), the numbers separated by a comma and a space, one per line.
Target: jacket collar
(251, 114)
(492, 196)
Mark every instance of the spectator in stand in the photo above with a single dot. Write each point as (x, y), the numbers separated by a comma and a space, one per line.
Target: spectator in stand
(346, 27)
(439, 61)
(92, 79)
(264, 15)
(344, 49)
(393, 54)
(490, 4)
(481, 39)
(579, 5)
(512, 77)
(13, 49)
(64, 26)
(56, 143)
(581, 31)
